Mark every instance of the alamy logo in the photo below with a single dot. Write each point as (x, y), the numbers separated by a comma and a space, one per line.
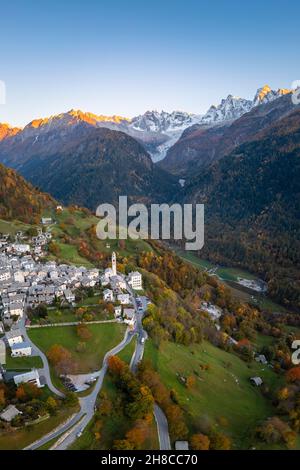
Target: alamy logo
(296, 354)
(161, 222)
(2, 92)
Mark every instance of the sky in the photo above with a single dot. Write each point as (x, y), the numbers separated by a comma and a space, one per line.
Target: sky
(125, 57)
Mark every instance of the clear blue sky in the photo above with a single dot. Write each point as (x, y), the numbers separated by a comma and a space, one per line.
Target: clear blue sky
(124, 57)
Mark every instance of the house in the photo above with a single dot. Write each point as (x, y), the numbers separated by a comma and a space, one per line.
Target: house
(9, 413)
(129, 316)
(118, 311)
(28, 377)
(256, 381)
(69, 296)
(21, 349)
(124, 299)
(135, 280)
(14, 337)
(18, 276)
(2, 352)
(20, 248)
(16, 310)
(108, 295)
(261, 358)
(46, 221)
(181, 445)
(4, 275)
(117, 282)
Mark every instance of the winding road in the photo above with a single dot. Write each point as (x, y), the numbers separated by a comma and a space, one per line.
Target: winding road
(68, 432)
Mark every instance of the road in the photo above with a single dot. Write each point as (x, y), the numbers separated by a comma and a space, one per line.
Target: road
(160, 417)
(87, 405)
(45, 371)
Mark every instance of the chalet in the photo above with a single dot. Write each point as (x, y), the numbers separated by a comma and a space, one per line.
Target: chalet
(118, 311)
(46, 221)
(129, 316)
(21, 349)
(108, 295)
(14, 337)
(69, 296)
(257, 381)
(262, 359)
(20, 248)
(16, 310)
(28, 377)
(9, 413)
(124, 299)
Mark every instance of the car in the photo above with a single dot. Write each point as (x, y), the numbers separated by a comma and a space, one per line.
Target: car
(79, 433)
(142, 339)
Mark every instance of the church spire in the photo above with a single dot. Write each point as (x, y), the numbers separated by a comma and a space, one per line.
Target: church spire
(114, 263)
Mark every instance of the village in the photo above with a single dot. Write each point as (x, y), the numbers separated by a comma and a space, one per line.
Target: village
(27, 281)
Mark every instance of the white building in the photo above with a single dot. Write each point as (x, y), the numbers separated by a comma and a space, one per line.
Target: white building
(21, 349)
(21, 248)
(10, 413)
(118, 311)
(108, 295)
(69, 296)
(124, 299)
(14, 337)
(135, 280)
(28, 377)
(46, 220)
(16, 310)
(129, 316)
(4, 275)
(2, 352)
(18, 276)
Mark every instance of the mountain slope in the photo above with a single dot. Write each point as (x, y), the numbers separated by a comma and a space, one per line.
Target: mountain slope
(19, 199)
(201, 145)
(98, 167)
(252, 199)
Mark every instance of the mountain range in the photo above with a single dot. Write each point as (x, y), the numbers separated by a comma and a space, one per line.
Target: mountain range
(240, 159)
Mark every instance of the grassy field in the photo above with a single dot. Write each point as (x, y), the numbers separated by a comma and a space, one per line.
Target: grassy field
(12, 226)
(23, 363)
(75, 223)
(224, 391)
(104, 338)
(17, 440)
(116, 425)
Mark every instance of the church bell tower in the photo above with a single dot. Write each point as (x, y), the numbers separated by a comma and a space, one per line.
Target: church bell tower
(114, 263)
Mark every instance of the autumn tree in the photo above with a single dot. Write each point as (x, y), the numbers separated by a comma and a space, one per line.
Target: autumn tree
(219, 441)
(138, 434)
(200, 442)
(83, 332)
(122, 444)
(190, 381)
(61, 358)
(293, 374)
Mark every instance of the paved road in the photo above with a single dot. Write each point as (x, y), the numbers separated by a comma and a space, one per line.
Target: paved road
(160, 418)
(163, 428)
(87, 405)
(45, 371)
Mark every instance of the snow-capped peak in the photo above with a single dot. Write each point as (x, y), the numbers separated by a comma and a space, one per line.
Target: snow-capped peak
(229, 109)
(266, 95)
(155, 121)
